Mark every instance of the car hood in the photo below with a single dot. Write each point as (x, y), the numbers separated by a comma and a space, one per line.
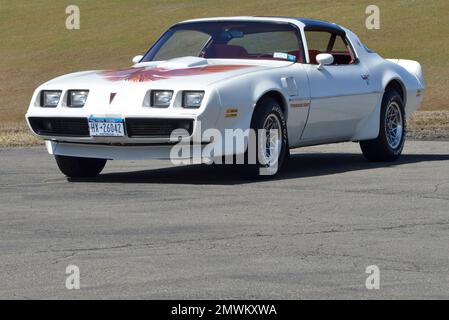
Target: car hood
(183, 72)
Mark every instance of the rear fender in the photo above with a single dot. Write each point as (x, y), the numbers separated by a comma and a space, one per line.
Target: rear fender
(413, 67)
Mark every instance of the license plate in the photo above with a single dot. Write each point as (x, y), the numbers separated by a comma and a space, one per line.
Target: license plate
(106, 127)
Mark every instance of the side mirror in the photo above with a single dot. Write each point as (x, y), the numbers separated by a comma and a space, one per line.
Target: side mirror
(324, 59)
(137, 59)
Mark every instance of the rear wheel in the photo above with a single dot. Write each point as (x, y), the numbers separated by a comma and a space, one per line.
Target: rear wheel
(75, 167)
(389, 144)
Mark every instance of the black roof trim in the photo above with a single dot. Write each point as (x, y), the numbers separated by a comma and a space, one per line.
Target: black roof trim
(313, 24)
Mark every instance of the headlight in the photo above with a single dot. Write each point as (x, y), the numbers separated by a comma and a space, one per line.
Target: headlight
(50, 99)
(77, 98)
(158, 99)
(192, 99)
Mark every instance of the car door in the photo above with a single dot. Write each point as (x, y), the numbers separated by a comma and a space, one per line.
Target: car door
(341, 94)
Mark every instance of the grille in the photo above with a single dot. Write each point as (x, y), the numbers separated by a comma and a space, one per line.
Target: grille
(156, 128)
(135, 127)
(67, 127)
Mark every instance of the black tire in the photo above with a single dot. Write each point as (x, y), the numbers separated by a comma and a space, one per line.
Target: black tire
(266, 107)
(380, 149)
(74, 167)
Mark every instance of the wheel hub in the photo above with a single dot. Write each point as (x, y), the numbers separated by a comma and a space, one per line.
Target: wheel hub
(273, 140)
(394, 125)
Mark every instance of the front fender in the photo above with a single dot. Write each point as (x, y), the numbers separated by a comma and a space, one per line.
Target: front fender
(238, 99)
(243, 96)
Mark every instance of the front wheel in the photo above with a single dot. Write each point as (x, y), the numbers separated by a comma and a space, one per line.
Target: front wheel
(75, 167)
(268, 147)
(389, 144)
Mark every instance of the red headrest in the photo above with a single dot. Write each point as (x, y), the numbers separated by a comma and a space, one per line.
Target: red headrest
(312, 56)
(228, 51)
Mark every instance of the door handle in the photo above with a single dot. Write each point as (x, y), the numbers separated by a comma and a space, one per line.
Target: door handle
(365, 76)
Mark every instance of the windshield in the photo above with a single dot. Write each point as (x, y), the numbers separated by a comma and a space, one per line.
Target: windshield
(229, 40)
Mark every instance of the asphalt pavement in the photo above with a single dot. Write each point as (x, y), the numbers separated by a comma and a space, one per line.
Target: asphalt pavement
(149, 230)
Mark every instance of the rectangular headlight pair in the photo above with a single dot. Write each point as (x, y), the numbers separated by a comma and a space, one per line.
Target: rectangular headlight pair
(163, 98)
(192, 99)
(50, 99)
(75, 98)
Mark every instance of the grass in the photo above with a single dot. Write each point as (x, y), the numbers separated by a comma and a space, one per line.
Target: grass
(17, 134)
(36, 46)
(429, 125)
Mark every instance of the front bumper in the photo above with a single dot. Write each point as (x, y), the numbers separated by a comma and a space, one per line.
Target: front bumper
(112, 152)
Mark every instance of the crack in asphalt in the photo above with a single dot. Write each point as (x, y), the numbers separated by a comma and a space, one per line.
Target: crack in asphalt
(392, 193)
(57, 260)
(77, 250)
(379, 192)
(241, 236)
(437, 186)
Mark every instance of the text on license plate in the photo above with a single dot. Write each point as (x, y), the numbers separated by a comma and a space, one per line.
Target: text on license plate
(106, 127)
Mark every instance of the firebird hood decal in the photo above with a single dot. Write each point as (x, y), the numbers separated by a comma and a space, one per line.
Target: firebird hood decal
(143, 74)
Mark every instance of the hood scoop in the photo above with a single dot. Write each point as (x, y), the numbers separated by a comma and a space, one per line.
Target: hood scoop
(183, 63)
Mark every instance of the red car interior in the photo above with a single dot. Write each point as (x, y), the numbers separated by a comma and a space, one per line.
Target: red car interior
(339, 57)
(219, 51)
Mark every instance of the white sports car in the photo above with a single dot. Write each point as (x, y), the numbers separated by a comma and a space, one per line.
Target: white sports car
(309, 81)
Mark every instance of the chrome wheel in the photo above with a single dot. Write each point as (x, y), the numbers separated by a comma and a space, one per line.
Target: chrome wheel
(272, 142)
(394, 125)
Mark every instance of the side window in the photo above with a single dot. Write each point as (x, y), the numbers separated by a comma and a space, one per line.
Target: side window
(340, 45)
(318, 40)
(327, 42)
